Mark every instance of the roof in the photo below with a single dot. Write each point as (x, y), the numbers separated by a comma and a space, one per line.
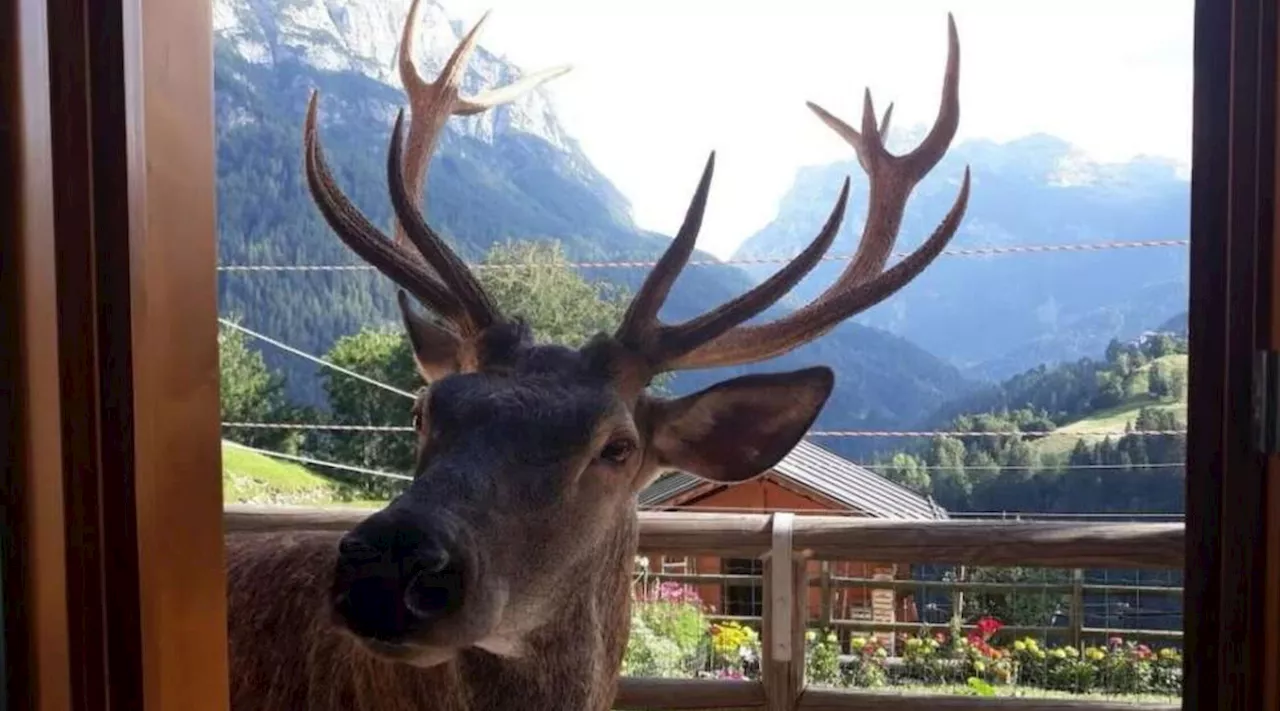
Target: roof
(825, 473)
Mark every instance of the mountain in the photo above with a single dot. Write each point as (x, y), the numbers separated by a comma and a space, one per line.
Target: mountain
(1176, 325)
(513, 172)
(997, 315)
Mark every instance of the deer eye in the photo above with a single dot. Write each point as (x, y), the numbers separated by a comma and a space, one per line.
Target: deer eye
(618, 450)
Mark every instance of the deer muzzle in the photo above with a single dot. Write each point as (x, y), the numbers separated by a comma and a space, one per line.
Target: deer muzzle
(402, 583)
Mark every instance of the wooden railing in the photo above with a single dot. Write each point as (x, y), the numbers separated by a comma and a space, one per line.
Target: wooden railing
(786, 542)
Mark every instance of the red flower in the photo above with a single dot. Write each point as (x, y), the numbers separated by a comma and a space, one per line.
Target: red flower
(988, 626)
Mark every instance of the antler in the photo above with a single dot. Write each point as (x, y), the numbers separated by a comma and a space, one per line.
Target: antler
(432, 103)
(715, 339)
(661, 344)
(432, 272)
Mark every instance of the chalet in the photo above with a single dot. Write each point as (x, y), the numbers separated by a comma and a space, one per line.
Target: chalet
(809, 480)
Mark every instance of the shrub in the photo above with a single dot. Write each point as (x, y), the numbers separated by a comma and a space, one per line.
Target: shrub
(868, 666)
(735, 649)
(668, 632)
(822, 657)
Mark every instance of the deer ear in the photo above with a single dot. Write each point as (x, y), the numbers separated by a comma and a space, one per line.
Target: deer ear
(435, 349)
(740, 428)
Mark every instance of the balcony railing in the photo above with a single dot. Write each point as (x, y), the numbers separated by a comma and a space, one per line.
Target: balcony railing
(786, 543)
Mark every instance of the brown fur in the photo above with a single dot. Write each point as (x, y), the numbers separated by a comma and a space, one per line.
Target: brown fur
(286, 655)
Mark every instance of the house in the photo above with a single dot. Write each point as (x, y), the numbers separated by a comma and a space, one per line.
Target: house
(809, 480)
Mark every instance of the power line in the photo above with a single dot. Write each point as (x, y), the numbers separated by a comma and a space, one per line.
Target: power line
(634, 264)
(814, 433)
(314, 359)
(317, 462)
(955, 433)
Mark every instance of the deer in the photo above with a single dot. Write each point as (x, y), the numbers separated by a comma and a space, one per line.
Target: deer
(501, 577)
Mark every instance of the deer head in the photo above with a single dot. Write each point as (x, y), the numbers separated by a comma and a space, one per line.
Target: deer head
(530, 456)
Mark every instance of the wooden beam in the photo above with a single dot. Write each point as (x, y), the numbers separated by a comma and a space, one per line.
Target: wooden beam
(675, 694)
(832, 700)
(1271, 614)
(178, 475)
(172, 256)
(647, 693)
(1043, 543)
(37, 640)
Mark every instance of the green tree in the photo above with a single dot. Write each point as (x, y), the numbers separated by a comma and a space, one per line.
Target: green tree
(382, 354)
(248, 391)
(951, 485)
(1177, 381)
(906, 470)
(1110, 391)
(1159, 385)
(557, 302)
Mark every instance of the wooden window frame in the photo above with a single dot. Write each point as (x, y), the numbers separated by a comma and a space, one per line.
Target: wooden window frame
(107, 119)
(114, 571)
(1233, 234)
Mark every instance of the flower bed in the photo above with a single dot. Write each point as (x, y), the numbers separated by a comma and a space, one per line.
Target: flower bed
(671, 636)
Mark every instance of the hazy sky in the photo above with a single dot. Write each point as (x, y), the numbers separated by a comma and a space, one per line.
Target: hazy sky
(657, 84)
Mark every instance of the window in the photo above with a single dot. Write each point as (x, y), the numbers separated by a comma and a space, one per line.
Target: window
(743, 599)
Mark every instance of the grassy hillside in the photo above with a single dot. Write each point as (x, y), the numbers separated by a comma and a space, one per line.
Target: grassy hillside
(1114, 420)
(252, 478)
(1025, 447)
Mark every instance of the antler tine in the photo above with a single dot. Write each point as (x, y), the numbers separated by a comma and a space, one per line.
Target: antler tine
(480, 309)
(659, 344)
(432, 103)
(637, 329)
(863, 283)
(892, 178)
(747, 344)
(354, 229)
(678, 340)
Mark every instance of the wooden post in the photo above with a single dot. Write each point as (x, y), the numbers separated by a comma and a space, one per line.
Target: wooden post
(1077, 606)
(786, 588)
(824, 582)
(957, 596)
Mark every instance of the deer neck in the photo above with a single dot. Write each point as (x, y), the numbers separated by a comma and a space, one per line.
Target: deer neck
(572, 662)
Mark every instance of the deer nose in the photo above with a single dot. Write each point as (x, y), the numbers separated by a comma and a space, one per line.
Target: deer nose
(434, 587)
(392, 581)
